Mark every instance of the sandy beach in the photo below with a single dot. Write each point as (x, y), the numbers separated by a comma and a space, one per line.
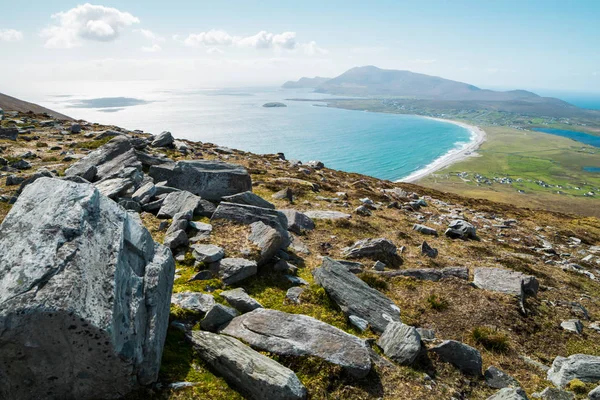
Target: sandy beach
(453, 156)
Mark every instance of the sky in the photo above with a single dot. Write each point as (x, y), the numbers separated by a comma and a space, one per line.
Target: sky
(504, 44)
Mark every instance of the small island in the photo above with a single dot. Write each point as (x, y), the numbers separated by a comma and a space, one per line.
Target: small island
(274, 104)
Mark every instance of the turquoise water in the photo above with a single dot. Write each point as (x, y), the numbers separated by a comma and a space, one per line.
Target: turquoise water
(591, 169)
(386, 146)
(578, 136)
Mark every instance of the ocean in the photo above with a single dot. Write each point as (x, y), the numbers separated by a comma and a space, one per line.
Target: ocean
(386, 146)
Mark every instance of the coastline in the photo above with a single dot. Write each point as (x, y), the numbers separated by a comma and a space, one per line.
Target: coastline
(478, 136)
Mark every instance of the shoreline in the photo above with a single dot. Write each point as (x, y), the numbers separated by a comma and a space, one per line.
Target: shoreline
(478, 136)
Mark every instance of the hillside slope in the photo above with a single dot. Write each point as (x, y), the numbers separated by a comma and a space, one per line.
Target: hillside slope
(305, 83)
(8, 103)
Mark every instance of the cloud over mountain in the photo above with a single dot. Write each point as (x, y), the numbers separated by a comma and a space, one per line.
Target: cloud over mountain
(10, 35)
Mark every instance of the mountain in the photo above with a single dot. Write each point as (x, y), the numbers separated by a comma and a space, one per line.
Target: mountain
(305, 83)
(8, 103)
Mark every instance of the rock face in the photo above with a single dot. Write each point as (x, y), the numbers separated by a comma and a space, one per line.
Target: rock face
(211, 180)
(84, 301)
(250, 372)
(376, 249)
(509, 394)
(300, 335)
(354, 296)
(581, 366)
(505, 281)
(400, 342)
(462, 356)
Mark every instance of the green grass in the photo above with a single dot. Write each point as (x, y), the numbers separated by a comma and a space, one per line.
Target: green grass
(491, 339)
(437, 303)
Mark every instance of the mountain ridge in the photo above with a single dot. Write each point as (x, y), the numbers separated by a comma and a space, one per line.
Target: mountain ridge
(10, 103)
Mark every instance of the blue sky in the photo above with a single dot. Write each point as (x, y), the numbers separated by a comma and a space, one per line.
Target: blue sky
(497, 44)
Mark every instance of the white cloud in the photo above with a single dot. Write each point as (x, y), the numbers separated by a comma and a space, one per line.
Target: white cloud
(151, 49)
(214, 50)
(262, 40)
(312, 49)
(86, 22)
(211, 38)
(148, 34)
(10, 35)
(424, 61)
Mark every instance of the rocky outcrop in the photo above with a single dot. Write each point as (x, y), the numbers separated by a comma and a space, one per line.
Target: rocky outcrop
(400, 342)
(354, 296)
(247, 370)
(584, 367)
(505, 281)
(84, 300)
(300, 335)
(464, 357)
(164, 139)
(211, 180)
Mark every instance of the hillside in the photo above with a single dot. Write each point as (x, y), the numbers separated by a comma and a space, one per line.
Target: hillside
(305, 83)
(504, 291)
(14, 104)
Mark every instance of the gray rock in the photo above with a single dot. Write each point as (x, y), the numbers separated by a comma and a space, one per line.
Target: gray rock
(284, 194)
(247, 215)
(73, 329)
(379, 266)
(217, 316)
(594, 394)
(315, 164)
(505, 281)
(165, 139)
(325, 214)
(176, 239)
(114, 187)
(464, 357)
(13, 180)
(460, 229)
(509, 394)
(267, 239)
(293, 294)
(130, 205)
(240, 300)
(250, 372)
(498, 379)
(300, 335)
(75, 128)
(211, 180)
(427, 335)
(298, 246)
(430, 274)
(20, 165)
(359, 323)
(144, 194)
(177, 202)
(193, 301)
(354, 296)
(352, 266)
(233, 270)
(9, 133)
(363, 210)
(551, 393)
(581, 366)
(204, 275)
(425, 230)
(400, 342)
(201, 227)
(428, 251)
(376, 249)
(298, 222)
(572, 325)
(207, 253)
(249, 199)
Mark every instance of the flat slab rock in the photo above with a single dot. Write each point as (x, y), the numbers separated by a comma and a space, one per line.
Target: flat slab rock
(354, 296)
(584, 367)
(509, 394)
(233, 270)
(429, 274)
(379, 249)
(193, 301)
(505, 281)
(401, 343)
(462, 356)
(249, 199)
(301, 335)
(250, 372)
(84, 300)
(324, 214)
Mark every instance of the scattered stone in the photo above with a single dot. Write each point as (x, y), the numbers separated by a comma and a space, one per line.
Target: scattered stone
(204, 275)
(594, 394)
(464, 357)
(323, 214)
(249, 199)
(379, 266)
(144, 194)
(551, 393)
(165, 139)
(354, 296)
(240, 300)
(505, 281)
(298, 222)
(217, 316)
(13, 180)
(284, 266)
(75, 128)
(293, 294)
(177, 202)
(425, 230)
(375, 249)
(428, 251)
(284, 194)
(207, 253)
(9, 133)
(21, 165)
(315, 164)
(364, 211)
(250, 372)
(176, 239)
(233, 270)
(430, 274)
(359, 323)
(461, 229)
(427, 335)
(498, 379)
(584, 367)
(509, 394)
(267, 239)
(572, 325)
(300, 335)
(400, 342)
(295, 280)
(298, 246)
(193, 301)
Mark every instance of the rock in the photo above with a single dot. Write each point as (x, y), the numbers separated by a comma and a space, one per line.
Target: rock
(354, 296)
(73, 329)
(211, 180)
(20, 165)
(498, 379)
(351, 266)
(284, 194)
(274, 104)
(551, 393)
(165, 139)
(201, 227)
(300, 335)
(249, 199)
(323, 214)
(247, 215)
(427, 335)
(462, 356)
(293, 294)
(594, 394)
(144, 193)
(295, 280)
(176, 239)
(505, 281)
(364, 211)
(193, 301)
(217, 316)
(315, 164)
(204, 275)
(253, 374)
(400, 342)
(298, 246)
(233, 270)
(267, 239)
(430, 274)
(112, 188)
(359, 323)
(460, 229)
(240, 300)
(584, 367)
(177, 202)
(298, 222)
(425, 230)
(379, 266)
(376, 249)
(573, 325)
(284, 266)
(428, 251)
(75, 128)
(13, 180)
(207, 253)
(9, 133)
(130, 205)
(509, 394)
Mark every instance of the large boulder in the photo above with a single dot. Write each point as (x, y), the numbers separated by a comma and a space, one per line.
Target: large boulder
(300, 335)
(233, 270)
(84, 299)
(509, 394)
(250, 372)
(298, 222)
(249, 199)
(584, 367)
(376, 249)
(505, 281)
(211, 180)
(267, 239)
(8, 133)
(354, 296)
(177, 202)
(461, 229)
(400, 342)
(498, 379)
(165, 139)
(462, 356)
